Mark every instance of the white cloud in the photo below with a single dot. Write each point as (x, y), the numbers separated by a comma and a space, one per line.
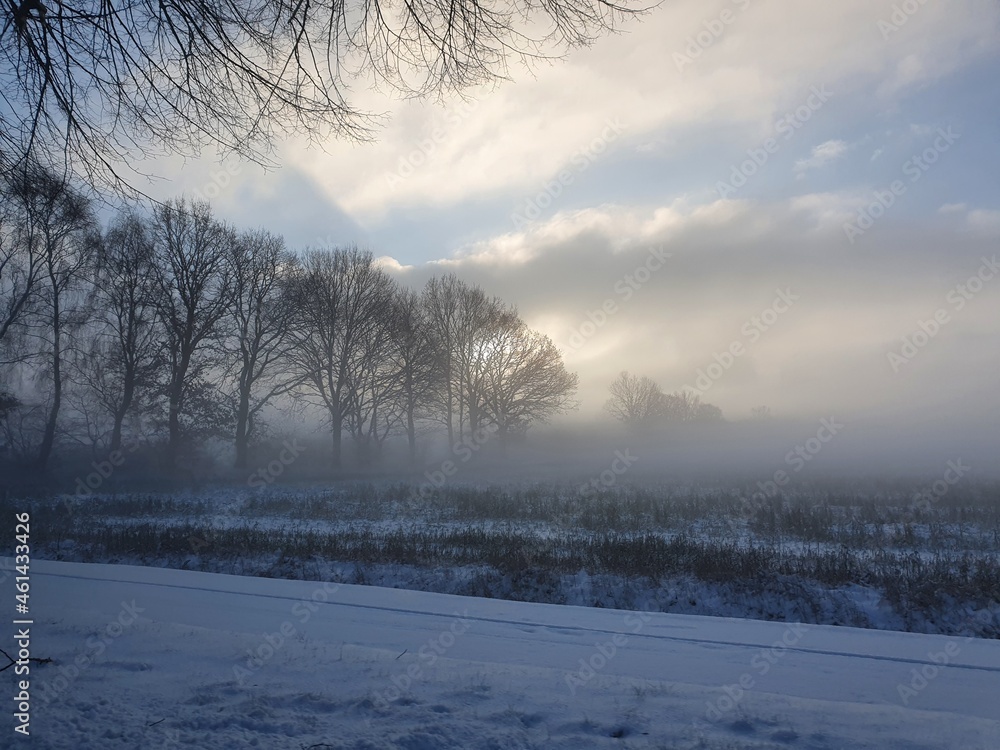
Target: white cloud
(392, 265)
(729, 255)
(524, 133)
(726, 264)
(656, 146)
(822, 155)
(626, 228)
(979, 221)
(829, 210)
(984, 221)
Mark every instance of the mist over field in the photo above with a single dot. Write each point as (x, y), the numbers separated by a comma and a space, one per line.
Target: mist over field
(479, 374)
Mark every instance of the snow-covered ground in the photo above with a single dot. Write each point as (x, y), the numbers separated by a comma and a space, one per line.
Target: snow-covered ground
(152, 658)
(851, 557)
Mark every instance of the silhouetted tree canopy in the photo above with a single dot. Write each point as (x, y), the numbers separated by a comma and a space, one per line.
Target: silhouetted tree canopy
(173, 329)
(88, 84)
(635, 399)
(638, 401)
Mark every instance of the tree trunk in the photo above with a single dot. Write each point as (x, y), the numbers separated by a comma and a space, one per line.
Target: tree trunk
(242, 430)
(449, 409)
(372, 443)
(502, 435)
(474, 416)
(411, 428)
(411, 435)
(176, 397)
(48, 438)
(128, 393)
(174, 424)
(116, 431)
(338, 435)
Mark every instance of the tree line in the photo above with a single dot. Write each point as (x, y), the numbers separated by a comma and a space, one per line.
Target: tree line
(172, 327)
(637, 401)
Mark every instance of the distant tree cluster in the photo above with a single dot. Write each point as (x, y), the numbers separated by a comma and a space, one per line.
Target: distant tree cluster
(638, 401)
(172, 327)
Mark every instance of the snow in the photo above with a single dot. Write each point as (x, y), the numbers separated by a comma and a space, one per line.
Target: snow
(156, 658)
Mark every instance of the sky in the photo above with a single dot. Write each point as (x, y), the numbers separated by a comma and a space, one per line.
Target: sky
(771, 203)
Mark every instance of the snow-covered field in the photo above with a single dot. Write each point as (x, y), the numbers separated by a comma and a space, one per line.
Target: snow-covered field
(846, 556)
(152, 658)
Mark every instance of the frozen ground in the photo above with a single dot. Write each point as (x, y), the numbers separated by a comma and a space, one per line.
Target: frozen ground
(152, 658)
(840, 555)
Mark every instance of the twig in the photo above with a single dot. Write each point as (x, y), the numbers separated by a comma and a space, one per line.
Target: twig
(46, 660)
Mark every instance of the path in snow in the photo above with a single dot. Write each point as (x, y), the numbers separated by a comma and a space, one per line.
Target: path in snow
(173, 658)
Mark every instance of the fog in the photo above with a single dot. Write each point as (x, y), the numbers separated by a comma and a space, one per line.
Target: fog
(714, 455)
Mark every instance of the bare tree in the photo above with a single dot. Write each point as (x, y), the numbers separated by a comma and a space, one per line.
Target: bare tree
(441, 301)
(260, 337)
(87, 83)
(338, 296)
(680, 407)
(61, 217)
(481, 321)
(462, 320)
(9, 403)
(635, 400)
(374, 380)
(194, 294)
(413, 353)
(708, 413)
(20, 252)
(684, 406)
(124, 357)
(524, 379)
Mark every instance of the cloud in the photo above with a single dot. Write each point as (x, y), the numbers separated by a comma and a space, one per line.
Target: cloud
(503, 144)
(520, 135)
(392, 265)
(822, 155)
(829, 210)
(728, 260)
(656, 146)
(984, 221)
(288, 201)
(979, 221)
(444, 178)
